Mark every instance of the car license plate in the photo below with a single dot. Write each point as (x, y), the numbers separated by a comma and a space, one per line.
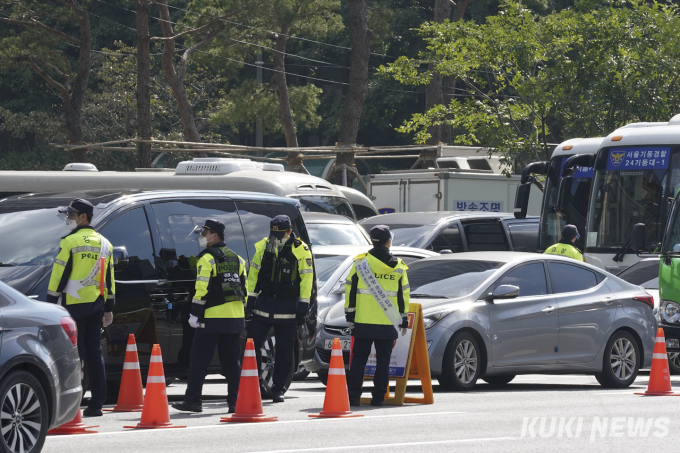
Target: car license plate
(346, 344)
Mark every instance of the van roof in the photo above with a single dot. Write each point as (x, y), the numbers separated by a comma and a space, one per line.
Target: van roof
(578, 146)
(432, 218)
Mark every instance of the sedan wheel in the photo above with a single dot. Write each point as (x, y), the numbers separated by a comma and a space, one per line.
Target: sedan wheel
(621, 361)
(462, 363)
(23, 413)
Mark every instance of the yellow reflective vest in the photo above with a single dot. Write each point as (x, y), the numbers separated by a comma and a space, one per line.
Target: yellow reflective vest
(78, 254)
(219, 291)
(564, 250)
(360, 303)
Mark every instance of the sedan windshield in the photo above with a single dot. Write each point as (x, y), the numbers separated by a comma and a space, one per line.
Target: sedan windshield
(336, 234)
(454, 278)
(325, 265)
(409, 235)
(30, 238)
(331, 205)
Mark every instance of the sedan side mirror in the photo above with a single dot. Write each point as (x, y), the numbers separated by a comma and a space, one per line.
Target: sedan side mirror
(637, 238)
(505, 292)
(120, 258)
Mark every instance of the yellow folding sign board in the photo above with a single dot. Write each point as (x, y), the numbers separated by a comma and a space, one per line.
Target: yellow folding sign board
(409, 361)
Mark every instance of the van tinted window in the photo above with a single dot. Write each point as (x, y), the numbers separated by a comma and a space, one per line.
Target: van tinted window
(485, 237)
(567, 278)
(177, 219)
(524, 236)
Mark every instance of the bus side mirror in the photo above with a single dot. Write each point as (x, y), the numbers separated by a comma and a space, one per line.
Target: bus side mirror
(522, 200)
(120, 258)
(562, 195)
(637, 238)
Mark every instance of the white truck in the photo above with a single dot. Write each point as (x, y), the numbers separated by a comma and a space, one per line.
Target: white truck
(447, 189)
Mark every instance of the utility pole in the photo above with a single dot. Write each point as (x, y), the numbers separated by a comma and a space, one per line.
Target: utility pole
(143, 82)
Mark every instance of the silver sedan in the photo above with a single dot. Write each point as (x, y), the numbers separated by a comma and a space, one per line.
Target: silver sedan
(494, 315)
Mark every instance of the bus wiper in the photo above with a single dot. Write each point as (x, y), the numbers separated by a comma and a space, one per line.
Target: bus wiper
(7, 265)
(428, 296)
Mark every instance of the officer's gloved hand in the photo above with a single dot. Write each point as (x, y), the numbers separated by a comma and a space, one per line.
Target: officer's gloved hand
(107, 319)
(351, 328)
(250, 306)
(193, 321)
(403, 327)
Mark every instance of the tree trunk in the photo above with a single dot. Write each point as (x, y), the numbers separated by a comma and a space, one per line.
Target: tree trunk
(433, 91)
(459, 10)
(282, 88)
(176, 83)
(143, 82)
(73, 106)
(358, 73)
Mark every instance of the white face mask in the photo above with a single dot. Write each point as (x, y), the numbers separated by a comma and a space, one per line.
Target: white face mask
(202, 241)
(71, 224)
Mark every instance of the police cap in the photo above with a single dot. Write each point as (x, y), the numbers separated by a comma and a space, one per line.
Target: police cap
(279, 226)
(214, 226)
(79, 206)
(570, 232)
(380, 233)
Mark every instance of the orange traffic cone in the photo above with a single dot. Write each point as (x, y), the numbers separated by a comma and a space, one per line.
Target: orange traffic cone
(75, 426)
(249, 401)
(659, 377)
(155, 413)
(131, 395)
(336, 401)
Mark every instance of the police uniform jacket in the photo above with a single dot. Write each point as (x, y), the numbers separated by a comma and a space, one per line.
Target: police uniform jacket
(282, 281)
(78, 254)
(361, 308)
(221, 287)
(565, 248)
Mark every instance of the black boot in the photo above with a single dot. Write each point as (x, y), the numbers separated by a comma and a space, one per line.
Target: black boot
(278, 397)
(188, 407)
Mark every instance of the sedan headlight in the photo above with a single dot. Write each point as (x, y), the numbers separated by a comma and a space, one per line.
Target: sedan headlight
(670, 311)
(431, 319)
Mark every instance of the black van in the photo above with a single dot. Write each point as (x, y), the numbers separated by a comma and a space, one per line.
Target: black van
(154, 282)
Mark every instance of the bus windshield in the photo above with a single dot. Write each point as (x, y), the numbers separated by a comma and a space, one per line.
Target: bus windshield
(552, 222)
(631, 185)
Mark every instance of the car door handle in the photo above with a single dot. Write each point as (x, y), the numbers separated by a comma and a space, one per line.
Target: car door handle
(158, 297)
(608, 300)
(180, 296)
(549, 309)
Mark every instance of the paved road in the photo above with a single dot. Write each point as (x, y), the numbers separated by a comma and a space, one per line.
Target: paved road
(533, 413)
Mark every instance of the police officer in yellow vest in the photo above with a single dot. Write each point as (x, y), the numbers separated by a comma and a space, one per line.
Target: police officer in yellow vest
(566, 245)
(217, 314)
(280, 280)
(369, 322)
(76, 276)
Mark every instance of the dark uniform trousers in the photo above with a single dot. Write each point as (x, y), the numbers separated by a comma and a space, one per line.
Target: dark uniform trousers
(285, 348)
(90, 350)
(360, 352)
(202, 351)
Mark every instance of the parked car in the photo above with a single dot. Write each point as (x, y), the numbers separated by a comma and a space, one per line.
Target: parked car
(154, 279)
(460, 231)
(39, 370)
(331, 229)
(494, 315)
(333, 263)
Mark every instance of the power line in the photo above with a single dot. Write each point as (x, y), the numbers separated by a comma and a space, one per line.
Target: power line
(270, 31)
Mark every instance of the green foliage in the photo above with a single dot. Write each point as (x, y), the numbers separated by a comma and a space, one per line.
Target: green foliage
(526, 81)
(248, 102)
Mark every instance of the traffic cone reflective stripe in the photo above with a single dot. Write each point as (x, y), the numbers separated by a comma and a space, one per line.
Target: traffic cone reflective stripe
(336, 401)
(75, 426)
(659, 376)
(249, 401)
(131, 394)
(155, 413)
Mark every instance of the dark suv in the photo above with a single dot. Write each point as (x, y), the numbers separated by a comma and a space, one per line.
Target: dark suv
(39, 370)
(154, 279)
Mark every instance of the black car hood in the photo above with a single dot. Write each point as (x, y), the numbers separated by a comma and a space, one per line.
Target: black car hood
(22, 278)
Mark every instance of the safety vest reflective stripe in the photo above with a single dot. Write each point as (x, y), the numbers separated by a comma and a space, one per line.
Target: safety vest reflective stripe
(60, 262)
(350, 310)
(252, 264)
(405, 287)
(211, 262)
(110, 297)
(198, 301)
(203, 279)
(85, 248)
(306, 271)
(366, 291)
(261, 313)
(304, 300)
(284, 316)
(53, 293)
(251, 294)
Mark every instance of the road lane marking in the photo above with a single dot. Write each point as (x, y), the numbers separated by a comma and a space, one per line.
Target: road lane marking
(403, 444)
(234, 425)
